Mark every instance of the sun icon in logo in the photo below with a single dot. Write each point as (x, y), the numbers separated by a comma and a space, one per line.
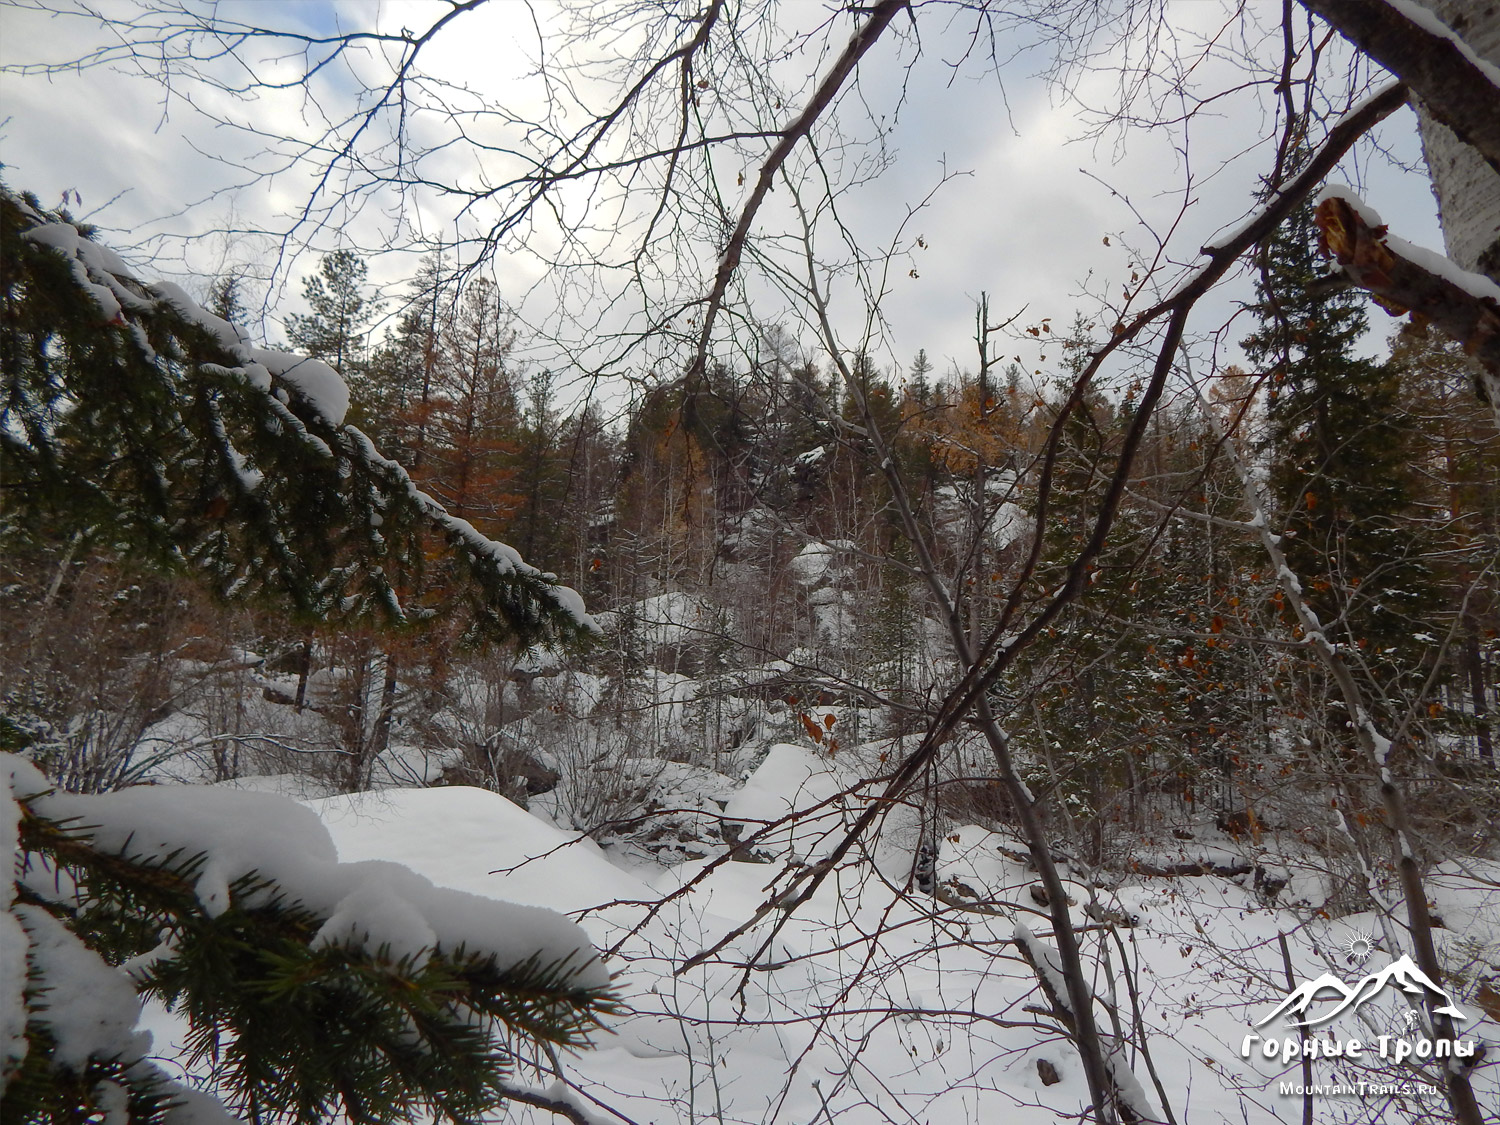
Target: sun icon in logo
(1359, 947)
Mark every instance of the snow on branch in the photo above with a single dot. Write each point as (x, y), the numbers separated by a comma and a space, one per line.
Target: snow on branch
(233, 909)
(232, 457)
(1459, 88)
(283, 852)
(1125, 1089)
(1407, 278)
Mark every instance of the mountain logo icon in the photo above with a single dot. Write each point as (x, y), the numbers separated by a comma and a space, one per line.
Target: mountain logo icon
(1401, 973)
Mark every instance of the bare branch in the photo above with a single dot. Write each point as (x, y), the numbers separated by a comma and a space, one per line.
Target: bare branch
(865, 38)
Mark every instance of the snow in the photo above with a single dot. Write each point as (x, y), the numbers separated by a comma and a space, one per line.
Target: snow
(193, 1107)
(1429, 22)
(487, 846)
(821, 562)
(504, 558)
(175, 297)
(1128, 1087)
(1004, 522)
(1232, 234)
(1195, 276)
(895, 1010)
(100, 272)
(791, 779)
(319, 385)
(103, 276)
(13, 940)
(1475, 284)
(372, 905)
(1046, 960)
(89, 1008)
(672, 618)
(63, 238)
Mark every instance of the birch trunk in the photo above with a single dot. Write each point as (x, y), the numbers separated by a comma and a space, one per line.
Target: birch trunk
(1467, 188)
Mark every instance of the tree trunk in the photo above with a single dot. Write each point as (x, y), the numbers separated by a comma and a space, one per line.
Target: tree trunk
(1467, 188)
(380, 741)
(1456, 104)
(304, 670)
(1478, 691)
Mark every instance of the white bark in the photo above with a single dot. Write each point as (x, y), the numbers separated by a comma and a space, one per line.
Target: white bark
(1467, 188)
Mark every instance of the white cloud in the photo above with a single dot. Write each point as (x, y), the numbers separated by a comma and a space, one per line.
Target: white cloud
(1026, 225)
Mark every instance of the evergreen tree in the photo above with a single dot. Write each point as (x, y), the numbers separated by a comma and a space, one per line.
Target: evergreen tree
(137, 420)
(539, 480)
(1341, 454)
(920, 387)
(335, 329)
(134, 416)
(231, 910)
(226, 299)
(1084, 686)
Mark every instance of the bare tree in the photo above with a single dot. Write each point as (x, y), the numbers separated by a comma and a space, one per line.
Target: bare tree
(681, 142)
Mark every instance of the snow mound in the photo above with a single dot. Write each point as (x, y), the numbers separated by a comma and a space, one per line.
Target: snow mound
(373, 905)
(476, 841)
(821, 562)
(791, 779)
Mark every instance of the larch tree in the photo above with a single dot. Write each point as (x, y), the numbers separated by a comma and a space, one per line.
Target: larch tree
(474, 410)
(401, 375)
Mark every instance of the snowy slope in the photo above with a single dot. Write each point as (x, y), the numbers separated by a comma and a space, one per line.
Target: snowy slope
(868, 1004)
(865, 1005)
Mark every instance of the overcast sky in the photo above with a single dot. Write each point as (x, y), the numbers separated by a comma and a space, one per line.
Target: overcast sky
(1029, 213)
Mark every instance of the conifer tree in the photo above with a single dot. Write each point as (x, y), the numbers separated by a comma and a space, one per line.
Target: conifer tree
(396, 395)
(539, 475)
(335, 329)
(1340, 454)
(1457, 445)
(162, 431)
(920, 374)
(313, 989)
(135, 418)
(472, 423)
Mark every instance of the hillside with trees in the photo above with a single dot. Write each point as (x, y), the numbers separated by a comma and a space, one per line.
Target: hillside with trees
(906, 739)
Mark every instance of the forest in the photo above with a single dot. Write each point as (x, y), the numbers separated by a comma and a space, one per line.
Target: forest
(743, 554)
(903, 737)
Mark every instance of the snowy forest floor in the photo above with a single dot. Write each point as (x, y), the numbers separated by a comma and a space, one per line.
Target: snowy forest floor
(894, 997)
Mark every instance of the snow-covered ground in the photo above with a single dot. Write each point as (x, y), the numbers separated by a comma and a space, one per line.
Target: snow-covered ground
(872, 1004)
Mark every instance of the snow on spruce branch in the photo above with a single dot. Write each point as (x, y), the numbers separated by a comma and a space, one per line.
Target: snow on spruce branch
(371, 905)
(202, 871)
(305, 488)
